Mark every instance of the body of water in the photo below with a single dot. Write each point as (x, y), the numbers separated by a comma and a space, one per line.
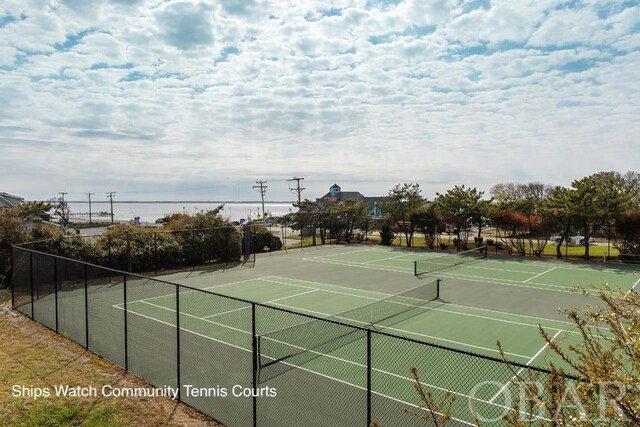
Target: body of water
(150, 211)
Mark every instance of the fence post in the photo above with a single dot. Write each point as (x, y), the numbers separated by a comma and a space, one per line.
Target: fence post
(60, 245)
(86, 309)
(226, 246)
(129, 257)
(283, 232)
(254, 348)
(178, 340)
(155, 253)
(368, 377)
(366, 231)
(31, 283)
(193, 250)
(126, 339)
(13, 296)
(109, 254)
(55, 287)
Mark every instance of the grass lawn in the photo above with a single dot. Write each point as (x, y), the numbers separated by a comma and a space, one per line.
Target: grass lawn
(33, 356)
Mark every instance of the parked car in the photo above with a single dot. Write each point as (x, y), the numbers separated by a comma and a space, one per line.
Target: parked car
(573, 240)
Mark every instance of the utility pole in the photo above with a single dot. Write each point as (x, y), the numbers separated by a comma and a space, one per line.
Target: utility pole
(110, 195)
(297, 189)
(62, 193)
(263, 189)
(89, 195)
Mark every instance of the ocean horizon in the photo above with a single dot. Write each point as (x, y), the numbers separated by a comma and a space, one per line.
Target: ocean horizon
(150, 211)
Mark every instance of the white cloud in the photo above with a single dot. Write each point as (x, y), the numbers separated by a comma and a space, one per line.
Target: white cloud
(184, 91)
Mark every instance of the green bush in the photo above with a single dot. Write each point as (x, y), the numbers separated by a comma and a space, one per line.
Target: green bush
(490, 242)
(444, 246)
(499, 245)
(386, 235)
(266, 241)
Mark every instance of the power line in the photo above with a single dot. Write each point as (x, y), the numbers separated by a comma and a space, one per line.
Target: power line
(110, 195)
(297, 189)
(263, 189)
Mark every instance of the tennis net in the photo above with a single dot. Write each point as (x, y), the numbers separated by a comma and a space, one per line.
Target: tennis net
(443, 262)
(296, 345)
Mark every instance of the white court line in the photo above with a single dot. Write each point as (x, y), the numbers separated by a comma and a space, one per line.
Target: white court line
(315, 289)
(430, 309)
(359, 264)
(324, 290)
(317, 373)
(267, 302)
(629, 291)
(385, 259)
(336, 254)
(522, 369)
(178, 284)
(538, 275)
(328, 356)
(377, 370)
(385, 294)
(481, 279)
(404, 331)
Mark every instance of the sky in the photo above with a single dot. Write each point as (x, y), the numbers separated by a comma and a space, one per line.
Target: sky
(197, 100)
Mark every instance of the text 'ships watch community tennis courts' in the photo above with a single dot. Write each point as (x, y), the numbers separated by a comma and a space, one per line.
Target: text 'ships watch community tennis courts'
(333, 329)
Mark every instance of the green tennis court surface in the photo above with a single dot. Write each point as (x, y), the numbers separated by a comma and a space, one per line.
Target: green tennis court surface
(545, 275)
(512, 299)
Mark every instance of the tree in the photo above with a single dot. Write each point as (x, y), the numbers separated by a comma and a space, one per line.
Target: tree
(400, 205)
(461, 206)
(12, 231)
(598, 199)
(527, 200)
(61, 208)
(628, 228)
(309, 214)
(316, 215)
(426, 221)
(511, 228)
(351, 214)
(558, 212)
(508, 192)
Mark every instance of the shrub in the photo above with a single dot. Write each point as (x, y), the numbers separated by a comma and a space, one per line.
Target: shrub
(444, 246)
(266, 241)
(490, 242)
(499, 245)
(386, 235)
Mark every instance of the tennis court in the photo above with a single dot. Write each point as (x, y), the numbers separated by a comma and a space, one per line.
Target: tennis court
(545, 275)
(290, 344)
(362, 299)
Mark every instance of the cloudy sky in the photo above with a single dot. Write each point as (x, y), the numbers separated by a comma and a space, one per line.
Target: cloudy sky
(169, 100)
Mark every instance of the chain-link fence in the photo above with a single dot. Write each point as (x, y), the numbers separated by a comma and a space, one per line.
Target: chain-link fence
(153, 252)
(214, 350)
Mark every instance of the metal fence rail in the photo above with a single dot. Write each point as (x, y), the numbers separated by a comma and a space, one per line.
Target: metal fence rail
(187, 338)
